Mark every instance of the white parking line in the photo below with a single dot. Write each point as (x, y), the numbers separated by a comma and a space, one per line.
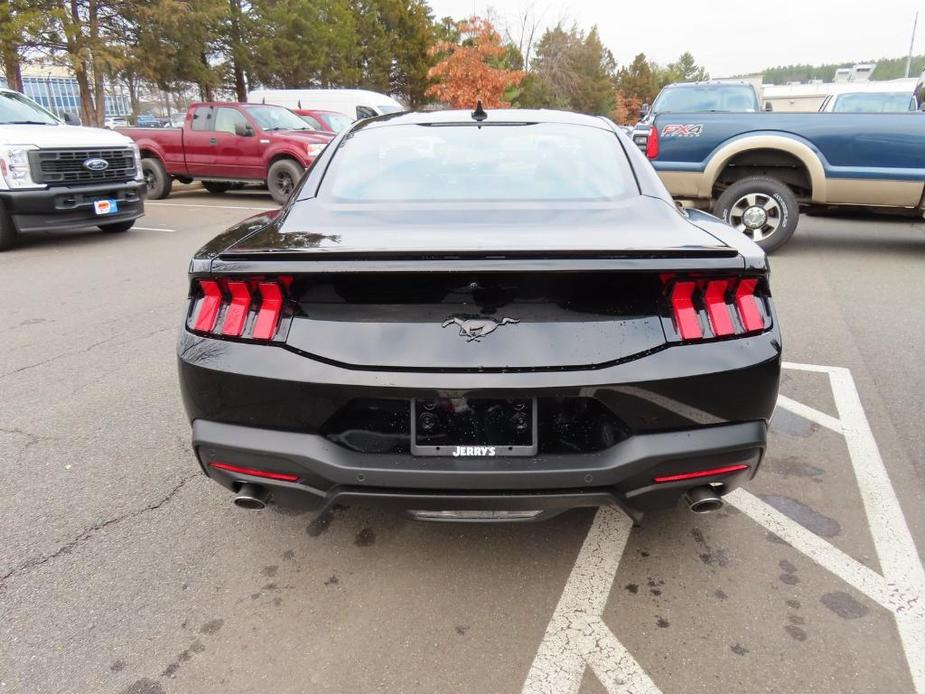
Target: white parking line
(211, 207)
(576, 635)
(169, 231)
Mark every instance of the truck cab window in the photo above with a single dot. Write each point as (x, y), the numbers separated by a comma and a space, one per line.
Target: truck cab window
(202, 118)
(228, 120)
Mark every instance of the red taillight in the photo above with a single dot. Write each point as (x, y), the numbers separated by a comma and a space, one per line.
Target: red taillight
(209, 306)
(714, 297)
(236, 314)
(721, 300)
(254, 472)
(270, 308)
(725, 470)
(225, 307)
(748, 306)
(685, 315)
(652, 143)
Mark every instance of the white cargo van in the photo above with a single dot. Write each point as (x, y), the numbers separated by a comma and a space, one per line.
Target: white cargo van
(355, 103)
(58, 176)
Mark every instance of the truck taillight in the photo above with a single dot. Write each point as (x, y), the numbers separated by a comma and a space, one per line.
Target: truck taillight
(709, 307)
(246, 308)
(652, 143)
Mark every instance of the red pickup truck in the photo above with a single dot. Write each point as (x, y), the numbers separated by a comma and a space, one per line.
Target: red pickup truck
(224, 144)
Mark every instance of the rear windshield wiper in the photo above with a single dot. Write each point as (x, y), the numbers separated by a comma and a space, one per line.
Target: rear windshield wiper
(26, 122)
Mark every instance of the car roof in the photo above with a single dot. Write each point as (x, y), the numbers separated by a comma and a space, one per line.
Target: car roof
(710, 83)
(501, 115)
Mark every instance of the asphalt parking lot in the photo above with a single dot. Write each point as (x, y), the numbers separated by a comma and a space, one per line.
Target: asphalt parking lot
(122, 569)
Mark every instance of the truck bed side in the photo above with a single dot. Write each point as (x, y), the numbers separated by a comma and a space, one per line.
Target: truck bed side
(849, 158)
(167, 144)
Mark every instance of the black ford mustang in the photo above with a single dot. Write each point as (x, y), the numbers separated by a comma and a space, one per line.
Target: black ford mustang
(480, 317)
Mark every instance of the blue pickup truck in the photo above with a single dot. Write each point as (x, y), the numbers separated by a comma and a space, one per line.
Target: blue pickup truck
(755, 170)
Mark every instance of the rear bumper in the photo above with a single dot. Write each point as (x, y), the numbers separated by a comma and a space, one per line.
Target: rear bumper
(680, 409)
(621, 475)
(63, 207)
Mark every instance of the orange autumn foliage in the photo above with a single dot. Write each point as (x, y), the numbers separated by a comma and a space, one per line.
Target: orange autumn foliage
(465, 75)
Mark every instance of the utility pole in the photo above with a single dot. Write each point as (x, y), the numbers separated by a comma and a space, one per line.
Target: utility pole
(911, 44)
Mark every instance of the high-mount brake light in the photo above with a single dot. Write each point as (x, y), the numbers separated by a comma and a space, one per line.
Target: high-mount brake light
(652, 143)
(225, 307)
(707, 308)
(725, 470)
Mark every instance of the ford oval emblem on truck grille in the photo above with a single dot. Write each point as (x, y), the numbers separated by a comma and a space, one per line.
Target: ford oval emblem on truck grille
(95, 164)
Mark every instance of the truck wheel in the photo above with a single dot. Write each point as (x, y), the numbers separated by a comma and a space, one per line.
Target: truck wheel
(7, 231)
(117, 227)
(282, 179)
(762, 208)
(159, 183)
(216, 187)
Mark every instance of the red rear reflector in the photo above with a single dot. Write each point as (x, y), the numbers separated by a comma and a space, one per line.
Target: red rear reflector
(652, 143)
(270, 308)
(282, 476)
(701, 473)
(208, 306)
(715, 299)
(237, 311)
(747, 304)
(685, 314)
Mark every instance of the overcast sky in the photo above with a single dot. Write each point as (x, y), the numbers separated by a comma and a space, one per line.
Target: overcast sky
(729, 37)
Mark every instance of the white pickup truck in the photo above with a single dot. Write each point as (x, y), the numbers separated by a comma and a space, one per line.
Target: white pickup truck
(58, 176)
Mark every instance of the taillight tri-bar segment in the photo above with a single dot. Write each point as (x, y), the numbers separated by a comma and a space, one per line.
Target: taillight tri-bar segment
(707, 308)
(248, 308)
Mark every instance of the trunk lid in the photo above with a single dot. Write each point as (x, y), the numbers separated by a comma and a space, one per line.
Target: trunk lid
(482, 288)
(638, 226)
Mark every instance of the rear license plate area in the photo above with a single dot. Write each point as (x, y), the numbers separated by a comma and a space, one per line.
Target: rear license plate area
(474, 427)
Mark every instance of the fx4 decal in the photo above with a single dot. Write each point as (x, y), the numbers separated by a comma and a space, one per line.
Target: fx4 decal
(683, 130)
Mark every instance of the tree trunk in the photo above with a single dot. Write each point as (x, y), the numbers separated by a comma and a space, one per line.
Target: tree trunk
(205, 87)
(74, 38)
(12, 69)
(131, 81)
(9, 50)
(99, 92)
(240, 86)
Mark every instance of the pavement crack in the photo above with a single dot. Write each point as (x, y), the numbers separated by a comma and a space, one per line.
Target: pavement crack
(94, 529)
(84, 350)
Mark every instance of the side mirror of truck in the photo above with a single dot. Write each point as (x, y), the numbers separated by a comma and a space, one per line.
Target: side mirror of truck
(644, 110)
(243, 130)
(70, 118)
(768, 106)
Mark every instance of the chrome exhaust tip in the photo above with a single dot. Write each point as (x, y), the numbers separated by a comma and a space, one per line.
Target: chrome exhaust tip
(703, 500)
(252, 496)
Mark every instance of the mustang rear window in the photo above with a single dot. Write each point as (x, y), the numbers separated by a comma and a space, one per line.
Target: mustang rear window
(530, 162)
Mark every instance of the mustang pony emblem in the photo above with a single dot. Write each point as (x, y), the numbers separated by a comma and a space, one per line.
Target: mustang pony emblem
(474, 329)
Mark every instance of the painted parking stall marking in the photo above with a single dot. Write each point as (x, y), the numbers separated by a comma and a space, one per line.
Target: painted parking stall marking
(577, 637)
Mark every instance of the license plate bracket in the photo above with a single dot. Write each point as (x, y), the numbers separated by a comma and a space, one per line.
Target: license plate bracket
(105, 207)
(474, 427)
